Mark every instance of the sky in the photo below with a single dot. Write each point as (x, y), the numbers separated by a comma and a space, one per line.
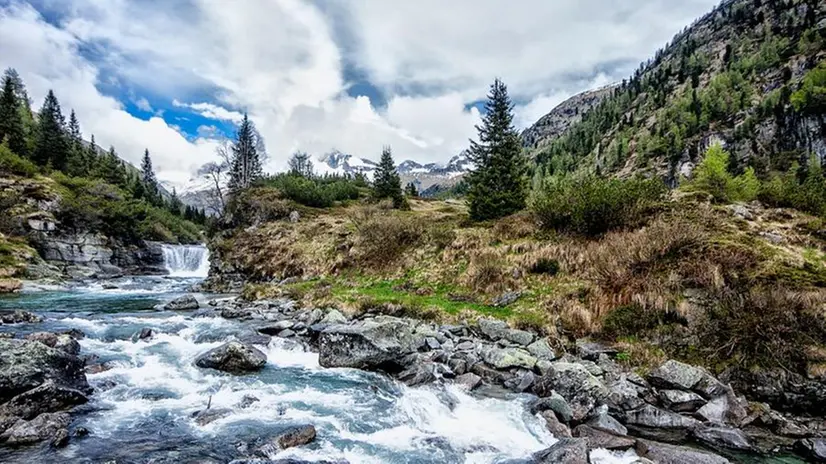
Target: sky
(175, 76)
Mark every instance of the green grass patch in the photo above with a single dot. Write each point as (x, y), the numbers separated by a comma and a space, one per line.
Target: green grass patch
(442, 297)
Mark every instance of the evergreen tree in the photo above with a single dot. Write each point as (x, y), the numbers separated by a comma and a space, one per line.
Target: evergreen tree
(301, 165)
(111, 169)
(246, 164)
(52, 146)
(74, 131)
(148, 178)
(410, 190)
(387, 183)
(12, 129)
(78, 163)
(497, 186)
(175, 203)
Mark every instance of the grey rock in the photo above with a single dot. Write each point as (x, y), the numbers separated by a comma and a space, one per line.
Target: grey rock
(287, 333)
(146, 333)
(41, 428)
(419, 374)
(432, 343)
(671, 454)
(503, 358)
(232, 312)
(553, 402)
(334, 316)
(183, 303)
(49, 397)
(247, 401)
(624, 395)
(60, 438)
(25, 365)
(581, 390)
(681, 401)
(591, 351)
(457, 365)
(565, 451)
(19, 317)
(726, 409)
(466, 346)
(295, 216)
(723, 437)
(275, 329)
(542, 350)
(525, 382)
(544, 366)
(492, 328)
(313, 317)
(557, 428)
(369, 344)
(296, 436)
(601, 439)
(233, 357)
(468, 380)
(520, 337)
(650, 416)
(607, 423)
(208, 416)
(675, 375)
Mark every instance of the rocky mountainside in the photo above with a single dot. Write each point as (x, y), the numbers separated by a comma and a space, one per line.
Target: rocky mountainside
(750, 74)
(549, 127)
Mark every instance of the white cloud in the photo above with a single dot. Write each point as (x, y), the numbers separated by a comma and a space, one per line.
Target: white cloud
(143, 105)
(208, 110)
(282, 61)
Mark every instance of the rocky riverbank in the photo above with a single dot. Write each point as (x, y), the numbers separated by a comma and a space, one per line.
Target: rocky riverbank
(676, 413)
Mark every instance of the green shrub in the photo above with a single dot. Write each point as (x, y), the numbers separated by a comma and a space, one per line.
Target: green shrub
(593, 205)
(11, 163)
(316, 192)
(711, 176)
(811, 97)
(786, 191)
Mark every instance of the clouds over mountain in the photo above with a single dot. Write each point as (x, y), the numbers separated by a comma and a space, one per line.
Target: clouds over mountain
(317, 75)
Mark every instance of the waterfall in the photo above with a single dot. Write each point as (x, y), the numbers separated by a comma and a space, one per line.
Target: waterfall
(186, 260)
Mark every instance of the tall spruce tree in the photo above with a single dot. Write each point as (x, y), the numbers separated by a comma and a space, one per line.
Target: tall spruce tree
(148, 178)
(78, 164)
(52, 145)
(74, 131)
(12, 130)
(497, 186)
(386, 183)
(246, 164)
(111, 169)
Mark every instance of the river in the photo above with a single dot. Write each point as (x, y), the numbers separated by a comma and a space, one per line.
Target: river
(141, 411)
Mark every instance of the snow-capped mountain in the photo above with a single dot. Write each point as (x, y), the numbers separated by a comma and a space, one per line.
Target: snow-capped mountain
(337, 162)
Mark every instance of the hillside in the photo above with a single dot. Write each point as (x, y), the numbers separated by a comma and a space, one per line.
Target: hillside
(70, 209)
(750, 74)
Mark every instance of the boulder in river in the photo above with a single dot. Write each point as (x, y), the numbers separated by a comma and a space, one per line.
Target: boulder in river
(183, 303)
(602, 439)
(673, 454)
(233, 357)
(18, 317)
(377, 343)
(675, 375)
(26, 364)
(43, 427)
(210, 415)
(49, 397)
(565, 451)
(296, 436)
(572, 381)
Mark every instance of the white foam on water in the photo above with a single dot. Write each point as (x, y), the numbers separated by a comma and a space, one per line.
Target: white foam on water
(484, 430)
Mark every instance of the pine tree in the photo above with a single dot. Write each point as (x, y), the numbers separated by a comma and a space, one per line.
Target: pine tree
(386, 183)
(78, 163)
(246, 164)
(175, 203)
(52, 146)
(410, 190)
(12, 129)
(301, 165)
(497, 186)
(74, 131)
(148, 178)
(111, 169)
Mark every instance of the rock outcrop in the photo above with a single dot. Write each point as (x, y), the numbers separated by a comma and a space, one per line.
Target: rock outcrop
(233, 357)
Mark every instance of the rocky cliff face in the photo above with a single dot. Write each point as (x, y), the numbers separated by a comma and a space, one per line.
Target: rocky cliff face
(51, 252)
(555, 123)
(731, 77)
